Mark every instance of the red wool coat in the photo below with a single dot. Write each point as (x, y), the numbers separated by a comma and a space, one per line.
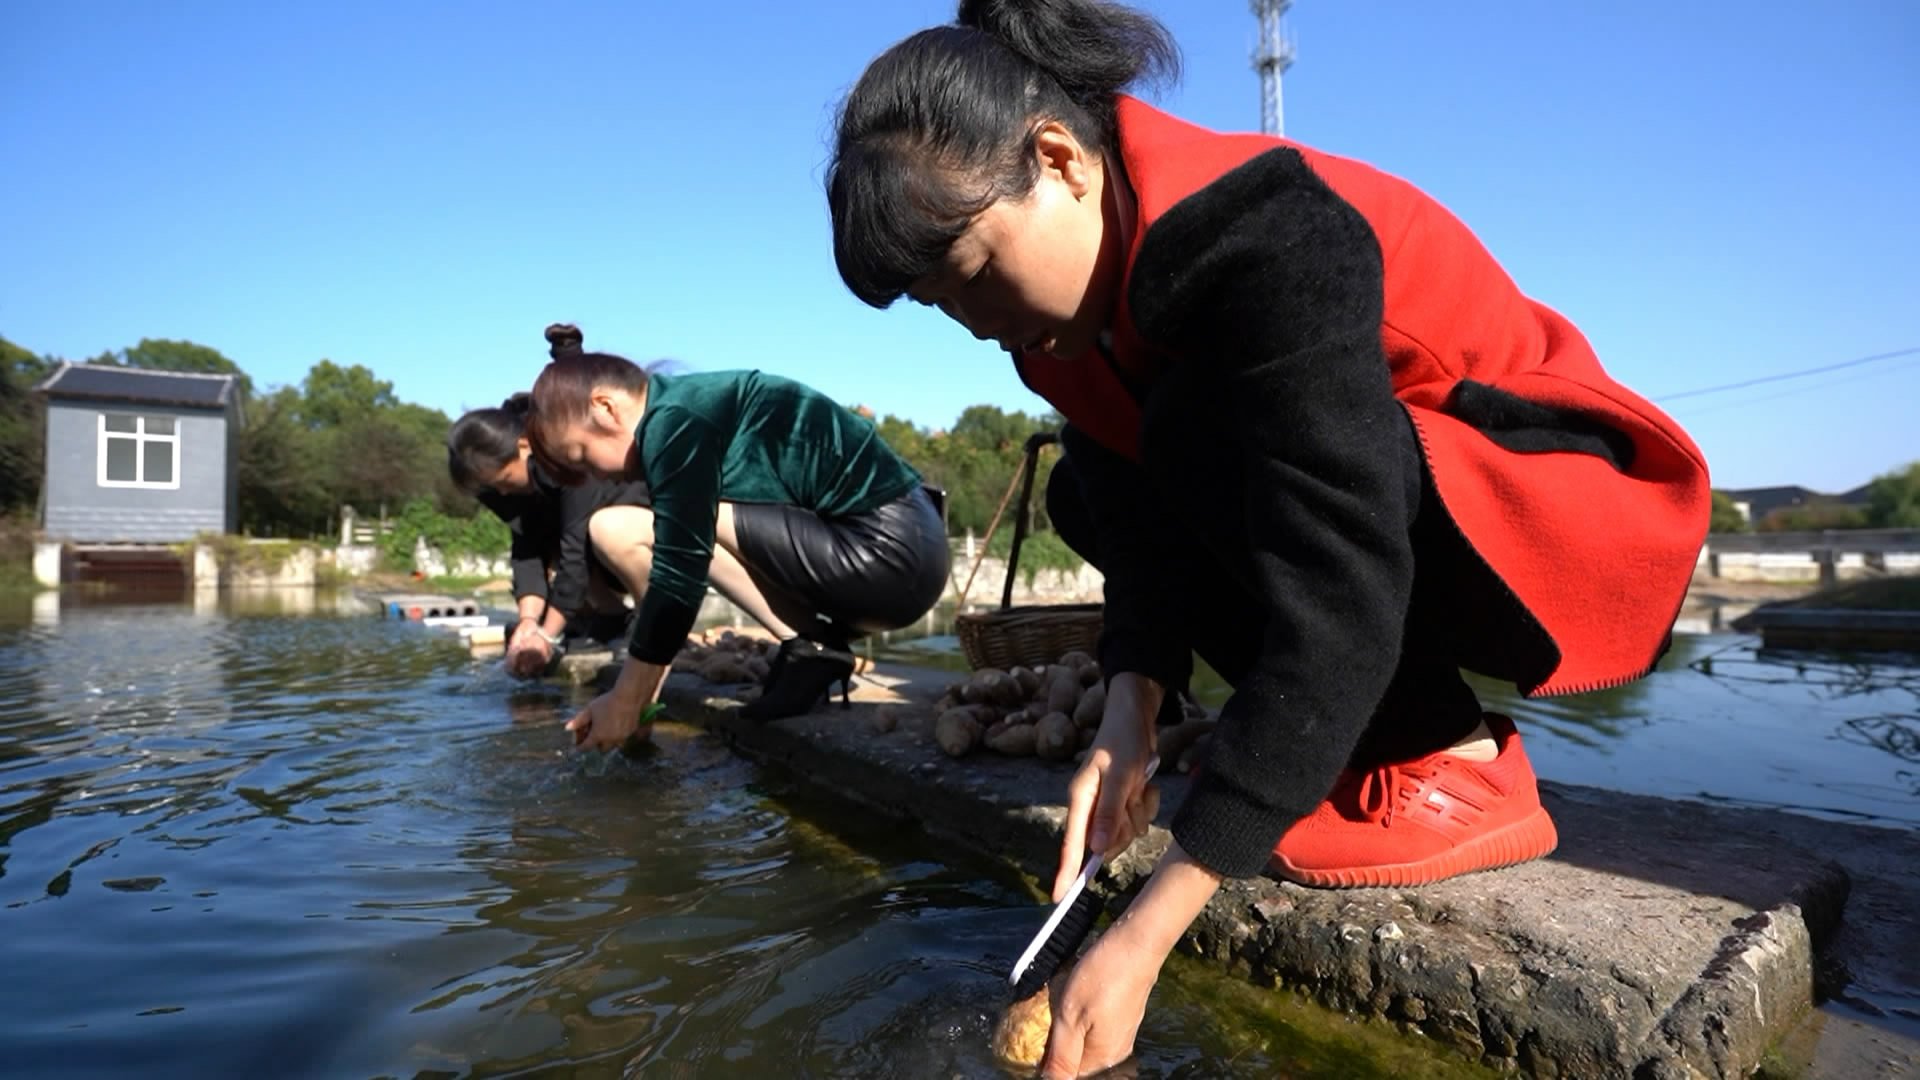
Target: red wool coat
(1600, 556)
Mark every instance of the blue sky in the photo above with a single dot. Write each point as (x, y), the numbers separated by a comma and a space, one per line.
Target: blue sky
(1712, 191)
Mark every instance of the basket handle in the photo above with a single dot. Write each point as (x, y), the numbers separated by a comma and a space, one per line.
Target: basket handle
(1029, 468)
(1025, 472)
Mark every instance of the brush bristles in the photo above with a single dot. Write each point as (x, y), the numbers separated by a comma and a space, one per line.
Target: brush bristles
(1062, 946)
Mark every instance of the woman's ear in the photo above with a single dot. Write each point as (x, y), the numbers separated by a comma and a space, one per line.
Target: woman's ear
(1064, 157)
(604, 411)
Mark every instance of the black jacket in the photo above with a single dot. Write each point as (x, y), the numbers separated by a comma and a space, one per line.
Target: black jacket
(549, 527)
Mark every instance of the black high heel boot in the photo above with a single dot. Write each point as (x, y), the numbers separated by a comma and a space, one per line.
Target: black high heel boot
(801, 673)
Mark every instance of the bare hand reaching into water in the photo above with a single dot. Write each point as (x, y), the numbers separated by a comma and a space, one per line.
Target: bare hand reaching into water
(605, 724)
(611, 719)
(528, 652)
(1098, 1007)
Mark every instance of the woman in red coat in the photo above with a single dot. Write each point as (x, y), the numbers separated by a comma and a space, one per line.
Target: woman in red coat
(1315, 433)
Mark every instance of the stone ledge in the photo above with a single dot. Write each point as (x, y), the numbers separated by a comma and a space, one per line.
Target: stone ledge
(1663, 940)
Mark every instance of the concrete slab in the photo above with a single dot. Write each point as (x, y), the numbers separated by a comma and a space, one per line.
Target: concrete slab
(425, 605)
(1662, 940)
(457, 622)
(584, 666)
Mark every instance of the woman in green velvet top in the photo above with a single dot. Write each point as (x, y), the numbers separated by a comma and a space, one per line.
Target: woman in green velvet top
(786, 502)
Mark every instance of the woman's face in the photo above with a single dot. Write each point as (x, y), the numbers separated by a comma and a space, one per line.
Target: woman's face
(601, 442)
(1035, 272)
(512, 478)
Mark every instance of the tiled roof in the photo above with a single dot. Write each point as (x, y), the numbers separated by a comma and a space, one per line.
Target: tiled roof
(99, 382)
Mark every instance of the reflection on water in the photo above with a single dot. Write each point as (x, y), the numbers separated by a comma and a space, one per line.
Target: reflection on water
(1726, 721)
(1698, 619)
(234, 842)
(1719, 720)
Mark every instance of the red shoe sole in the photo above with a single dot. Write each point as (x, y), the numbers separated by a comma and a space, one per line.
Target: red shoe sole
(1530, 838)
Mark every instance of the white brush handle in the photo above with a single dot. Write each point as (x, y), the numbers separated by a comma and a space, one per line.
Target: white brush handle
(1074, 890)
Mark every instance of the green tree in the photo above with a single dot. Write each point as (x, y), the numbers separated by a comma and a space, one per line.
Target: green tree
(283, 482)
(1813, 517)
(25, 367)
(1727, 517)
(22, 427)
(377, 460)
(985, 427)
(342, 436)
(334, 396)
(976, 462)
(1893, 499)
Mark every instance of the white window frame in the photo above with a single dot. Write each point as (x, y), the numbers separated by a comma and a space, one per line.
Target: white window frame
(140, 440)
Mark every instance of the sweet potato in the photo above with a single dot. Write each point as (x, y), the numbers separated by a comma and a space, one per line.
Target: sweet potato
(957, 732)
(1055, 737)
(1014, 740)
(1093, 706)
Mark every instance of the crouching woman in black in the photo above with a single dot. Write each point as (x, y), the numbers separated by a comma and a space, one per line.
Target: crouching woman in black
(786, 502)
(561, 589)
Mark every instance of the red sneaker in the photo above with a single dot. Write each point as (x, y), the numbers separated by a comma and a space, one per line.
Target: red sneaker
(1420, 821)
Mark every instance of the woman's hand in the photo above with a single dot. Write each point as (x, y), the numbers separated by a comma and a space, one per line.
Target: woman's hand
(611, 719)
(1098, 1008)
(606, 723)
(1109, 801)
(528, 650)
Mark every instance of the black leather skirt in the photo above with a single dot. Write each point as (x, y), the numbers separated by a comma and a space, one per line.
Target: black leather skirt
(852, 574)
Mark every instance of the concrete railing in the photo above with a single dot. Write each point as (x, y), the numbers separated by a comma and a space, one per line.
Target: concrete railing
(1827, 555)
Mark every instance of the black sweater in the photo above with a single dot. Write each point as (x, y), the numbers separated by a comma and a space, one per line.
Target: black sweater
(1267, 287)
(549, 527)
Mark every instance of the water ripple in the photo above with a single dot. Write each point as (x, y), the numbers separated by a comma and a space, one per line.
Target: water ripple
(322, 846)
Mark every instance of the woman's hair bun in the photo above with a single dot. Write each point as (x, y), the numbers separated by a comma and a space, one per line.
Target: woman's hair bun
(563, 339)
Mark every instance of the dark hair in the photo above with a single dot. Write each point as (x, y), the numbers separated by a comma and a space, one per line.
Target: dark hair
(563, 339)
(941, 126)
(484, 441)
(564, 391)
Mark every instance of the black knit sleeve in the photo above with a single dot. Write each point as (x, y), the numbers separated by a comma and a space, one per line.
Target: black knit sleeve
(1268, 286)
(526, 555)
(576, 506)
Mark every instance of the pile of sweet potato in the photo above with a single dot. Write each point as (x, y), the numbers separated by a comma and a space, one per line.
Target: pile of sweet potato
(725, 658)
(1051, 713)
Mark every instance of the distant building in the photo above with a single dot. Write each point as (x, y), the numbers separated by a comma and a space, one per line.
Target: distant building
(1757, 503)
(139, 456)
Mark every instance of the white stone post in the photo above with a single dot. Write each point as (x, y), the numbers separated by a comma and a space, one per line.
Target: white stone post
(206, 568)
(46, 563)
(427, 560)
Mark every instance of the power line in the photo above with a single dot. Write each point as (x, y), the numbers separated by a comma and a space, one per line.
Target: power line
(1688, 414)
(1788, 375)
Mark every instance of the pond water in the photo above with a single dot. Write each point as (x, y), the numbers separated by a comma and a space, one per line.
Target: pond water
(1720, 720)
(263, 839)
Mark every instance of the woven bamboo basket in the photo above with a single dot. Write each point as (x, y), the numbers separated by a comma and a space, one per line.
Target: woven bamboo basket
(1030, 635)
